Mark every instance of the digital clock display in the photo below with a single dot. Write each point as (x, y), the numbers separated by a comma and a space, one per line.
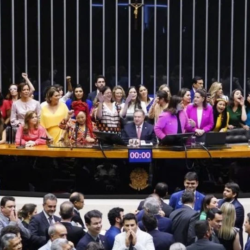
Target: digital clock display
(140, 155)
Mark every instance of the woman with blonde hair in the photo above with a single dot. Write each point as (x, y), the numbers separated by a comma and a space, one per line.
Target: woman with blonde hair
(164, 87)
(216, 92)
(229, 235)
(118, 95)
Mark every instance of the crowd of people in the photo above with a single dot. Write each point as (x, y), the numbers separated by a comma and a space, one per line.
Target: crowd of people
(74, 118)
(191, 220)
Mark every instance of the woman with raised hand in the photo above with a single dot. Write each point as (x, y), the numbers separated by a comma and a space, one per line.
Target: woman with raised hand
(237, 111)
(132, 103)
(23, 105)
(79, 129)
(221, 116)
(201, 113)
(53, 112)
(30, 133)
(160, 103)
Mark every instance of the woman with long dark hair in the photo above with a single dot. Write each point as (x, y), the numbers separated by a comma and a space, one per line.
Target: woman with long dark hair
(185, 94)
(144, 97)
(209, 202)
(173, 120)
(221, 116)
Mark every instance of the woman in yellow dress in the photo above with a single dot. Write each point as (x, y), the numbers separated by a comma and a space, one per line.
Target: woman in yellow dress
(52, 113)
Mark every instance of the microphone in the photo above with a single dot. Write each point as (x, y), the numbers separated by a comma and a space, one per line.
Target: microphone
(45, 138)
(20, 142)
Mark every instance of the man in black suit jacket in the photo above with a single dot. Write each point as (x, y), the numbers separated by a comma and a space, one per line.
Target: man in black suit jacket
(203, 233)
(161, 189)
(77, 199)
(183, 220)
(162, 240)
(67, 212)
(100, 82)
(40, 223)
(230, 194)
(139, 129)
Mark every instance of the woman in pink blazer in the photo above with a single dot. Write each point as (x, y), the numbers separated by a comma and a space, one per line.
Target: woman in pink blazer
(167, 123)
(201, 113)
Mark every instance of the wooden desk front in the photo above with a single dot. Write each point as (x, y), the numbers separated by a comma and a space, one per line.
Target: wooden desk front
(236, 151)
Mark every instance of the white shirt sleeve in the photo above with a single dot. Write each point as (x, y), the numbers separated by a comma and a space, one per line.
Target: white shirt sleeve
(66, 97)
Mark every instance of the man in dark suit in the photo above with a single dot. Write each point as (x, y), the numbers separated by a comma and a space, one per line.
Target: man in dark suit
(214, 218)
(139, 129)
(40, 223)
(183, 220)
(197, 83)
(67, 212)
(100, 82)
(247, 230)
(152, 206)
(191, 182)
(162, 240)
(230, 194)
(93, 221)
(203, 232)
(161, 189)
(77, 199)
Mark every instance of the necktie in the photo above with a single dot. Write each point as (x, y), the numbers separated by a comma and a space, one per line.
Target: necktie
(138, 132)
(50, 219)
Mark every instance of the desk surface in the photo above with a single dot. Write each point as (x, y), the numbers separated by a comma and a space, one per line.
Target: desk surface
(236, 151)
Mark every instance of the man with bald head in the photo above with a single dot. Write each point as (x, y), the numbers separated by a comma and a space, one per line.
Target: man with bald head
(67, 212)
(77, 199)
(55, 231)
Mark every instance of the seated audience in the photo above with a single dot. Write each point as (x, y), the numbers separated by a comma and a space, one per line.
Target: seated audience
(30, 133)
(230, 194)
(132, 103)
(201, 113)
(216, 92)
(79, 129)
(108, 116)
(100, 82)
(132, 236)
(161, 190)
(221, 116)
(162, 240)
(2, 130)
(77, 199)
(11, 241)
(247, 230)
(8, 216)
(118, 95)
(152, 206)
(74, 233)
(115, 216)
(93, 222)
(52, 114)
(5, 109)
(191, 182)
(209, 202)
(62, 244)
(40, 222)
(203, 233)
(183, 220)
(177, 246)
(229, 235)
(237, 110)
(173, 120)
(23, 105)
(160, 103)
(26, 213)
(55, 231)
(186, 97)
(144, 97)
(197, 83)
(139, 129)
(78, 95)
(214, 218)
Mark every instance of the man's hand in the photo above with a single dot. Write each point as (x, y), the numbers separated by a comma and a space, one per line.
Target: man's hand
(161, 213)
(134, 238)
(13, 216)
(128, 239)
